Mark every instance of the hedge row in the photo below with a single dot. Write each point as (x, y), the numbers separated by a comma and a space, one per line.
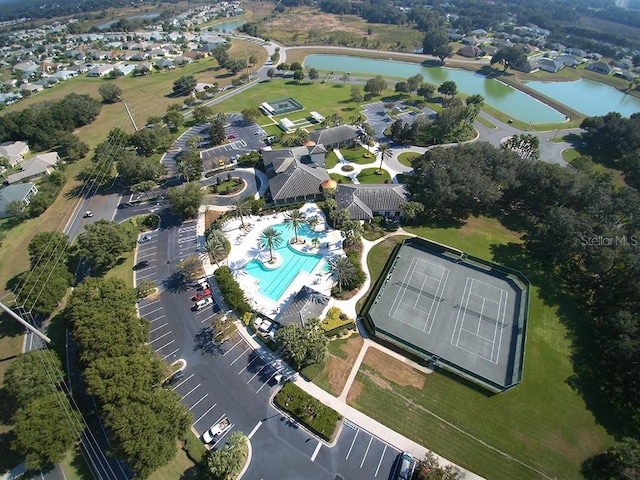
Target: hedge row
(307, 410)
(231, 291)
(334, 320)
(336, 331)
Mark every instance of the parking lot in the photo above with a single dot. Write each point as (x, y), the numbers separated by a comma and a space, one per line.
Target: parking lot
(378, 119)
(187, 240)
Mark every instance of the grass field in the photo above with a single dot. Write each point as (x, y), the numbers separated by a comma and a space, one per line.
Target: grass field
(407, 157)
(541, 425)
(340, 178)
(374, 175)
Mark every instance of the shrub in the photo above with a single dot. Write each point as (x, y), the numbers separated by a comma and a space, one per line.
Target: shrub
(335, 319)
(231, 291)
(151, 221)
(309, 411)
(347, 168)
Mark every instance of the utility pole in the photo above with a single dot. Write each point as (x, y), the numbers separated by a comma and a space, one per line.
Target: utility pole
(246, 63)
(25, 323)
(133, 122)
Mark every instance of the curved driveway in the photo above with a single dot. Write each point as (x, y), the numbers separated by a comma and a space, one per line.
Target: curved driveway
(254, 181)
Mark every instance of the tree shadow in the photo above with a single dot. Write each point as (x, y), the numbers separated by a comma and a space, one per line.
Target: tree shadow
(205, 343)
(175, 283)
(431, 63)
(8, 458)
(195, 472)
(9, 327)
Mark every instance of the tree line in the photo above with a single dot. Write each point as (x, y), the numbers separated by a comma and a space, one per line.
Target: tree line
(50, 125)
(580, 235)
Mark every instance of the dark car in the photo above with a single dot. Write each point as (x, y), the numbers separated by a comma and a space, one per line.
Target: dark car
(173, 379)
(140, 265)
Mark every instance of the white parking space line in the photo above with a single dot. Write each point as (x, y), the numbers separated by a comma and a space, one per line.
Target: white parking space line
(149, 304)
(247, 365)
(183, 382)
(351, 447)
(158, 328)
(202, 416)
(169, 354)
(234, 346)
(190, 391)
(189, 228)
(161, 336)
(205, 396)
(366, 452)
(255, 429)
(315, 452)
(239, 356)
(146, 277)
(268, 380)
(156, 319)
(152, 311)
(256, 374)
(165, 345)
(380, 462)
(208, 318)
(143, 255)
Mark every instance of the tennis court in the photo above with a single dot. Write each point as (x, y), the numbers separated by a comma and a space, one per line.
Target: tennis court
(282, 106)
(466, 314)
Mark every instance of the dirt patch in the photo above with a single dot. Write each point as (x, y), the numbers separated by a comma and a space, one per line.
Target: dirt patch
(306, 19)
(338, 369)
(393, 369)
(210, 216)
(354, 392)
(381, 382)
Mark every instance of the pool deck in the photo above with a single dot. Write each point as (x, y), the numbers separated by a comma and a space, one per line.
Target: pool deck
(245, 247)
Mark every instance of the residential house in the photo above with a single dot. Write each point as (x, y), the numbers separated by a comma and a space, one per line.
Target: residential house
(530, 66)
(22, 192)
(9, 98)
(550, 65)
(64, 74)
(335, 137)
(164, 64)
(42, 164)
(471, 40)
(182, 60)
(100, 70)
(364, 201)
(307, 304)
(126, 69)
(576, 52)
(600, 67)
(295, 174)
(568, 60)
(31, 87)
(471, 51)
(14, 152)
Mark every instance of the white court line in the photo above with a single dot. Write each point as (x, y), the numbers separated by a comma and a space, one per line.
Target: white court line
(265, 383)
(481, 317)
(255, 429)
(202, 416)
(239, 356)
(256, 374)
(182, 382)
(205, 396)
(354, 441)
(504, 313)
(380, 462)
(161, 336)
(366, 452)
(169, 354)
(155, 319)
(455, 327)
(165, 345)
(228, 351)
(395, 300)
(247, 365)
(464, 315)
(190, 391)
(315, 452)
(435, 302)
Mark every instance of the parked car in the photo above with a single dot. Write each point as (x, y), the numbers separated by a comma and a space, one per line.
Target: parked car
(406, 467)
(173, 379)
(88, 214)
(141, 265)
(201, 294)
(232, 136)
(200, 304)
(202, 284)
(217, 431)
(145, 238)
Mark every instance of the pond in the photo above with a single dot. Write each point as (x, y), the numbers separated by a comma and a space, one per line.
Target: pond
(589, 97)
(502, 97)
(227, 27)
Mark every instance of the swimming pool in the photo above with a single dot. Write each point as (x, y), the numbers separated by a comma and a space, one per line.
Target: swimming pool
(273, 282)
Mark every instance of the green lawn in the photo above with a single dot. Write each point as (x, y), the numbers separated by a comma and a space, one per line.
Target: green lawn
(331, 160)
(357, 155)
(542, 422)
(340, 178)
(407, 157)
(373, 175)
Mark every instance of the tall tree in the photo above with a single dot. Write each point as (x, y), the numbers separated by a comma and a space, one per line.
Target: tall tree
(384, 152)
(185, 200)
(313, 74)
(216, 246)
(448, 88)
(184, 85)
(343, 270)
(241, 208)
(270, 238)
(509, 57)
(102, 242)
(295, 219)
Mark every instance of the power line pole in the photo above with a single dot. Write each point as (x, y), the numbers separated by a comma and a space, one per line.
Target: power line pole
(25, 323)
(133, 122)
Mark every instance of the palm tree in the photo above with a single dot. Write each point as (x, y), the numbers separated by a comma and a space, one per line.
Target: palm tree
(295, 219)
(315, 241)
(270, 238)
(242, 207)
(344, 271)
(384, 150)
(215, 246)
(183, 169)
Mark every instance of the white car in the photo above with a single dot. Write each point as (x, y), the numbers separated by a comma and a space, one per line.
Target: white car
(88, 214)
(200, 304)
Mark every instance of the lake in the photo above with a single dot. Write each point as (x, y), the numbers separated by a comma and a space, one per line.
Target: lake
(496, 94)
